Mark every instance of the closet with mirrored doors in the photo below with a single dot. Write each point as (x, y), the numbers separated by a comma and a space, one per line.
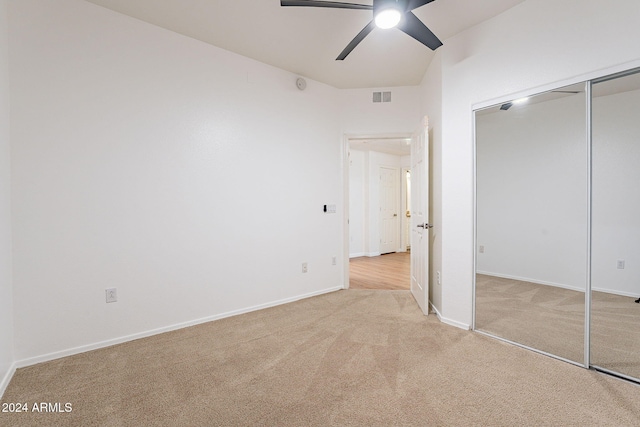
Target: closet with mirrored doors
(558, 223)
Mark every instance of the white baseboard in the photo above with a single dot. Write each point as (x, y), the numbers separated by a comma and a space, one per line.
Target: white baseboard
(536, 281)
(7, 379)
(558, 285)
(361, 254)
(614, 292)
(455, 323)
(102, 344)
(434, 309)
(449, 321)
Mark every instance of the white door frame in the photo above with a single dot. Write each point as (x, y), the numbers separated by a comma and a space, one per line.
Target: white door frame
(345, 212)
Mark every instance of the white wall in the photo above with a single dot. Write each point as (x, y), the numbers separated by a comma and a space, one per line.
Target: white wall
(6, 297)
(616, 194)
(532, 192)
(535, 44)
(189, 178)
(164, 167)
(361, 116)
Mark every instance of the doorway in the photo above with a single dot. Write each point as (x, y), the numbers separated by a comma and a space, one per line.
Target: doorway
(378, 201)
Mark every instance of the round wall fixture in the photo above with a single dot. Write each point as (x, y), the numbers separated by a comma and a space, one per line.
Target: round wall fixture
(301, 83)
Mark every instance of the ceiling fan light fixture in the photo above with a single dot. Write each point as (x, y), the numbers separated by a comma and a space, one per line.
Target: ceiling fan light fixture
(386, 14)
(388, 18)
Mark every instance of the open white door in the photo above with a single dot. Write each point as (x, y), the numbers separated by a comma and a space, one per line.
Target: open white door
(389, 220)
(420, 216)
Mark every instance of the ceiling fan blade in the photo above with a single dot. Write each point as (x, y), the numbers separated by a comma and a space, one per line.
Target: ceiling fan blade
(414, 4)
(331, 4)
(414, 27)
(357, 39)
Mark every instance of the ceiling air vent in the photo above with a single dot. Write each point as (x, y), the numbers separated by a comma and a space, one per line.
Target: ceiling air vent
(381, 96)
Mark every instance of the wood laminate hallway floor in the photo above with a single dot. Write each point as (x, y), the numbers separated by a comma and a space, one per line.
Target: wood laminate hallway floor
(389, 271)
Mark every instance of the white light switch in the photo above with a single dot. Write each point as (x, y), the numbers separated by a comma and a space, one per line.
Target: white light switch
(330, 208)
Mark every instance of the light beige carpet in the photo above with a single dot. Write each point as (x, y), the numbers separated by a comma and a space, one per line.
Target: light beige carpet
(544, 317)
(615, 333)
(349, 358)
(551, 319)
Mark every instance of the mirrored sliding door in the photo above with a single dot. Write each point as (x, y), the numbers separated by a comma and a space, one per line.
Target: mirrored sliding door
(531, 221)
(615, 277)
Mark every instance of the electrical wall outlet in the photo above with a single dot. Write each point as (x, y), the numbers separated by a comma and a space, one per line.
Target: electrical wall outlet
(481, 249)
(334, 260)
(620, 264)
(304, 267)
(111, 294)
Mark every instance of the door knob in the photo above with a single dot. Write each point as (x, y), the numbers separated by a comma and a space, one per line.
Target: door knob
(425, 225)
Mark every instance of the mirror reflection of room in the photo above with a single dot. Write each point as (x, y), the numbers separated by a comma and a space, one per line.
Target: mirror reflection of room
(531, 257)
(615, 279)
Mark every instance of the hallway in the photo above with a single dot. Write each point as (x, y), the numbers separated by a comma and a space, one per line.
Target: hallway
(384, 272)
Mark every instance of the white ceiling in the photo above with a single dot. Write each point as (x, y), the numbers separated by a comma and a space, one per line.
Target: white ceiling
(306, 40)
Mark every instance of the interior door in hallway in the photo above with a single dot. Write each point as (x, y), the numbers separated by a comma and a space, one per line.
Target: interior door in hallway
(389, 204)
(420, 216)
